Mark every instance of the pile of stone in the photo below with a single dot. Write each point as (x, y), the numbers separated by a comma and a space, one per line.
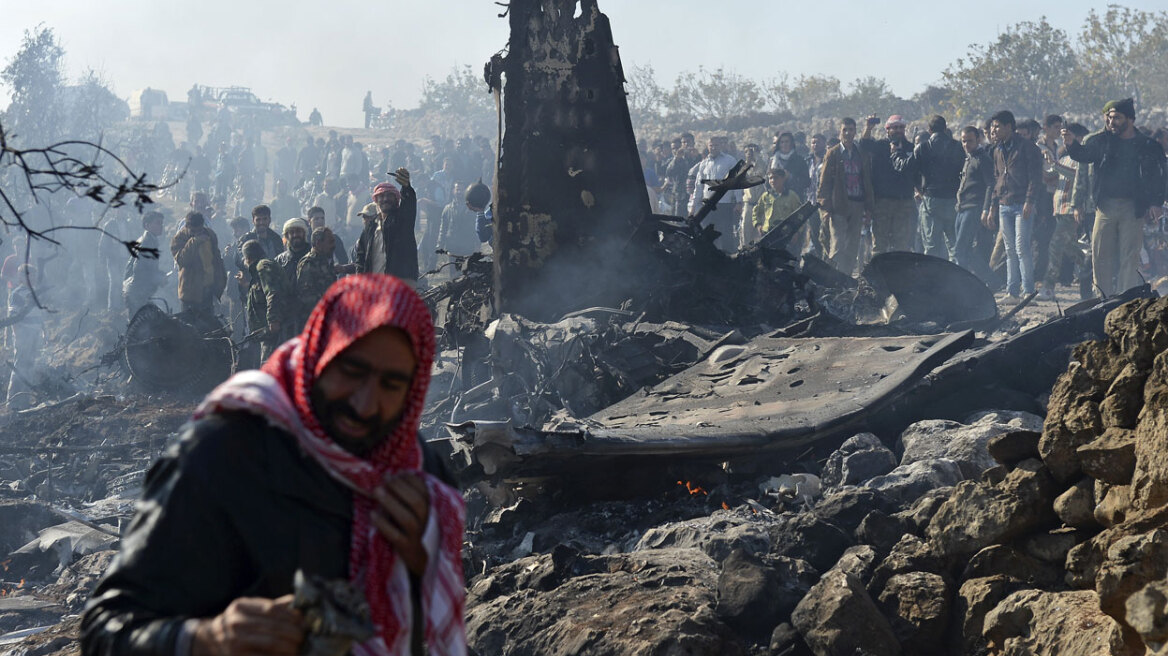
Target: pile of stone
(1002, 534)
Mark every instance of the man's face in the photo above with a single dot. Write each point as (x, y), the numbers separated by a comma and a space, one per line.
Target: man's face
(847, 133)
(316, 220)
(969, 141)
(1052, 132)
(1001, 132)
(262, 222)
(154, 227)
(327, 245)
(895, 132)
(1117, 123)
(361, 394)
(386, 202)
(295, 239)
(713, 147)
(818, 146)
(786, 144)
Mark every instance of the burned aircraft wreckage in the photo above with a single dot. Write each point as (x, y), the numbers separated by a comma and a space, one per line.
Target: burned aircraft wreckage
(658, 349)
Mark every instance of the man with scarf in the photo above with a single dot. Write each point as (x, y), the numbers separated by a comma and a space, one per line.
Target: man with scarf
(388, 244)
(310, 463)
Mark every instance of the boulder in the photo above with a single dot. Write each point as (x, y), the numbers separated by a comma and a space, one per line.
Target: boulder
(1150, 479)
(1004, 560)
(917, 606)
(838, 617)
(1125, 397)
(1076, 506)
(974, 600)
(933, 439)
(907, 483)
(1114, 503)
(809, 538)
(1072, 420)
(1014, 447)
(881, 531)
(1016, 419)
(977, 515)
(918, 516)
(662, 600)
(1051, 547)
(1111, 457)
(1132, 562)
(786, 641)
(859, 562)
(861, 457)
(1144, 612)
(1040, 623)
(911, 554)
(748, 595)
(717, 534)
(846, 507)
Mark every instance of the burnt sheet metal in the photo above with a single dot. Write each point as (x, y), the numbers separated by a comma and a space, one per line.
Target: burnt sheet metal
(570, 194)
(927, 288)
(771, 394)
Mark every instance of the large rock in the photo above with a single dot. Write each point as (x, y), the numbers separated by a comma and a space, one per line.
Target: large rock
(911, 554)
(838, 618)
(1111, 457)
(907, 483)
(977, 515)
(861, 457)
(859, 562)
(1072, 420)
(974, 600)
(934, 439)
(1150, 479)
(1004, 560)
(1139, 329)
(846, 507)
(881, 530)
(1145, 612)
(1014, 447)
(1015, 419)
(921, 512)
(1132, 562)
(717, 534)
(1115, 502)
(917, 606)
(749, 595)
(1037, 623)
(809, 538)
(1125, 397)
(1076, 506)
(662, 600)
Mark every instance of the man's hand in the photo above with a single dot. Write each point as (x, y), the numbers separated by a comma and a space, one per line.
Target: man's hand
(1078, 214)
(404, 509)
(989, 220)
(402, 176)
(1027, 210)
(251, 625)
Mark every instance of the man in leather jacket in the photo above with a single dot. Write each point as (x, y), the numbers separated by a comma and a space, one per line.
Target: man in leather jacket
(311, 463)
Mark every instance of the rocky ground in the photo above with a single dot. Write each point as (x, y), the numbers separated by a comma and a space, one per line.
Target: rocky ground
(1004, 533)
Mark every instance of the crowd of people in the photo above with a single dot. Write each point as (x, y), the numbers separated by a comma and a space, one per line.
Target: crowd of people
(1047, 202)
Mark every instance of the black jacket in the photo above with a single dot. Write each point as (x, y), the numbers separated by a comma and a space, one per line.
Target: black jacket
(977, 182)
(397, 238)
(1096, 149)
(940, 158)
(893, 175)
(231, 510)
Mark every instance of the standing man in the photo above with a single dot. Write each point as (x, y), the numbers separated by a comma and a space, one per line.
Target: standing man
(368, 108)
(1063, 242)
(201, 276)
(312, 463)
(785, 156)
(973, 203)
(315, 273)
(940, 160)
(144, 275)
(1017, 183)
(261, 221)
(388, 244)
(1128, 187)
(715, 167)
(845, 197)
(894, 174)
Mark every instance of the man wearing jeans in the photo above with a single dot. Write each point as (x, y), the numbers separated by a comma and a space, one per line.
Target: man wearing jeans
(973, 202)
(940, 160)
(1017, 182)
(1128, 186)
(845, 197)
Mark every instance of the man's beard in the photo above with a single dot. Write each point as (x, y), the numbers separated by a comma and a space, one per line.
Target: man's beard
(328, 412)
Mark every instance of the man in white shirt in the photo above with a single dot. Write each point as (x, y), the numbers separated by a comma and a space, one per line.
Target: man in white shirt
(715, 167)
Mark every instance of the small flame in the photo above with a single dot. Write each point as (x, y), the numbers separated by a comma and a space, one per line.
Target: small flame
(724, 506)
(20, 585)
(692, 489)
(5, 564)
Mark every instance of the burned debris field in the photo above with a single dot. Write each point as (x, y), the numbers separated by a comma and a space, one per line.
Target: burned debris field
(671, 435)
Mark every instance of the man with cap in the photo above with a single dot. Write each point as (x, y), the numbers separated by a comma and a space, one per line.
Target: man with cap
(316, 273)
(893, 175)
(201, 275)
(312, 463)
(1127, 186)
(387, 244)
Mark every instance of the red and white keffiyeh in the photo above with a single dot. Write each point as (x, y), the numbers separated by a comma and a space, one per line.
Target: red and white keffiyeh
(353, 307)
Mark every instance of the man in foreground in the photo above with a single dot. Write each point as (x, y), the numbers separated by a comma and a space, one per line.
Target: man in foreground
(311, 463)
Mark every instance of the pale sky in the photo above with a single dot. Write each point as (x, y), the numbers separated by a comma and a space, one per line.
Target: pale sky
(327, 54)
